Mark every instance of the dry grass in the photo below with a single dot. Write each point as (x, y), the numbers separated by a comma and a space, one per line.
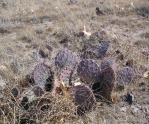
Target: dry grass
(27, 25)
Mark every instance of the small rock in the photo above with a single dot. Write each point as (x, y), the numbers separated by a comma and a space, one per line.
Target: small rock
(129, 98)
(99, 11)
(146, 74)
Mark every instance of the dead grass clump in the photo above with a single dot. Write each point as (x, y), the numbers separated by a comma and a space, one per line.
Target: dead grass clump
(48, 108)
(78, 26)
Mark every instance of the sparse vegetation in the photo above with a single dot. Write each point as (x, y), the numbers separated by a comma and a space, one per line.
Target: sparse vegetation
(74, 61)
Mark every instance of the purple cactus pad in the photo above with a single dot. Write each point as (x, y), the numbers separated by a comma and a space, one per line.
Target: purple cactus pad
(65, 58)
(83, 98)
(125, 75)
(102, 49)
(88, 71)
(38, 91)
(66, 75)
(43, 75)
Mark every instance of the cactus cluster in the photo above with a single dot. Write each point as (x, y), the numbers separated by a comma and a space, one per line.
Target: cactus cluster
(86, 68)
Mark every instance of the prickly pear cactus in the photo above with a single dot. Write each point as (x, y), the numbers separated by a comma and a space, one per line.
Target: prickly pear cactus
(102, 50)
(65, 58)
(108, 79)
(83, 98)
(38, 91)
(88, 71)
(125, 75)
(66, 76)
(107, 63)
(43, 76)
(96, 51)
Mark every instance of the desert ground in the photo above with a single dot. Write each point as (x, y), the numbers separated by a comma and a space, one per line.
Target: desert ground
(29, 25)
